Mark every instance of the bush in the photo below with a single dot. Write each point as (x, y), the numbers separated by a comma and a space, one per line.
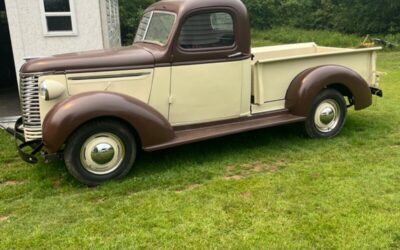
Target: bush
(349, 16)
(130, 13)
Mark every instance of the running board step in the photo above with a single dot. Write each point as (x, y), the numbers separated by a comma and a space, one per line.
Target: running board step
(187, 136)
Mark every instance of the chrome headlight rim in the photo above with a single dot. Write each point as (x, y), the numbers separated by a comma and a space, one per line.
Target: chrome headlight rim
(51, 89)
(44, 91)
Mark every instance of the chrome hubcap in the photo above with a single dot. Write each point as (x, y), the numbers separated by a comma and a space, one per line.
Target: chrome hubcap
(327, 116)
(102, 153)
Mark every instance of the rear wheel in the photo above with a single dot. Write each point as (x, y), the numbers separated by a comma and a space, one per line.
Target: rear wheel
(100, 151)
(327, 116)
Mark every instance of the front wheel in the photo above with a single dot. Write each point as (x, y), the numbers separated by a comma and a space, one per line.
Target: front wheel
(327, 116)
(100, 151)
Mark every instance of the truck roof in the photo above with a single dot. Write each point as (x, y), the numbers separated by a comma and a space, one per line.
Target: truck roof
(182, 7)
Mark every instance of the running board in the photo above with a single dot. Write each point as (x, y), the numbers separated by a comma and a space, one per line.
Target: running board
(191, 135)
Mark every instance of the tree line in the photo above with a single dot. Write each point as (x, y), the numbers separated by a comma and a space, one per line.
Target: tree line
(348, 16)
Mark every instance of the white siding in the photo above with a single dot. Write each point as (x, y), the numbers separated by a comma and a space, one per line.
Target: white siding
(27, 35)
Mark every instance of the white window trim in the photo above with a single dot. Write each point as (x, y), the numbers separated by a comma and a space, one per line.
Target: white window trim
(45, 14)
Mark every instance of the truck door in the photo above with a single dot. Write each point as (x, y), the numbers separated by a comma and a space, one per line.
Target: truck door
(207, 71)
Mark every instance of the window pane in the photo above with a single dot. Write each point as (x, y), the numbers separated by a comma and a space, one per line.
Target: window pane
(59, 23)
(209, 30)
(142, 27)
(160, 27)
(56, 5)
(221, 21)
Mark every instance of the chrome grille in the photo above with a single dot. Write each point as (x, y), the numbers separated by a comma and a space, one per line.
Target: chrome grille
(29, 88)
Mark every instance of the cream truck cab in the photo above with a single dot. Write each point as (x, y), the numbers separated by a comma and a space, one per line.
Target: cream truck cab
(190, 75)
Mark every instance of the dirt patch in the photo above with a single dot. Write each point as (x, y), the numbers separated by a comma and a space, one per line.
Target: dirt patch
(189, 188)
(56, 184)
(269, 167)
(11, 183)
(100, 200)
(230, 168)
(192, 187)
(234, 177)
(248, 169)
(4, 218)
(246, 195)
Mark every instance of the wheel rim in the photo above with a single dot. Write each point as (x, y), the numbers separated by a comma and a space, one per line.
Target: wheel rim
(327, 116)
(102, 153)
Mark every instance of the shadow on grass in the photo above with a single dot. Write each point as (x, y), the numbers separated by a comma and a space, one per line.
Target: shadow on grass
(202, 161)
(212, 150)
(187, 160)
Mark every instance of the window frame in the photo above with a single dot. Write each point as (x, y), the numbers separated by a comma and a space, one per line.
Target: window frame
(71, 14)
(209, 49)
(171, 34)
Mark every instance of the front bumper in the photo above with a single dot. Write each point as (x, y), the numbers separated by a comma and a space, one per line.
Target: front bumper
(26, 150)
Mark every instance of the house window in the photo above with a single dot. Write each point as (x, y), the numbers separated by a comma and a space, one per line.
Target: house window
(58, 17)
(208, 30)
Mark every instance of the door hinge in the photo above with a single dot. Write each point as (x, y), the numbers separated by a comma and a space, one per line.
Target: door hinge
(170, 99)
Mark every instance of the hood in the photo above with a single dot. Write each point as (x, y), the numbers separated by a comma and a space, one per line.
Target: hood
(111, 59)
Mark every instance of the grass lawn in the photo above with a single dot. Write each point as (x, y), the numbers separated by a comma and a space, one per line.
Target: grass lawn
(271, 188)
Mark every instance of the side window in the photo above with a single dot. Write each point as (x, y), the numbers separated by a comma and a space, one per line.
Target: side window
(208, 30)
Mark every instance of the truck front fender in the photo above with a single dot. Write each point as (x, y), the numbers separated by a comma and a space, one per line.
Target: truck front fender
(308, 84)
(70, 114)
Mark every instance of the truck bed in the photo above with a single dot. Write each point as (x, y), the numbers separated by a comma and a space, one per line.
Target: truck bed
(274, 68)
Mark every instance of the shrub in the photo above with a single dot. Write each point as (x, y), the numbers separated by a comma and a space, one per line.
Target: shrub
(349, 16)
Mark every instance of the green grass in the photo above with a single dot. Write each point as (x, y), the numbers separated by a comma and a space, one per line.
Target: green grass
(271, 188)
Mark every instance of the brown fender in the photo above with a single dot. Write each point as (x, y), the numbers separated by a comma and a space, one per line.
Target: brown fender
(307, 85)
(67, 116)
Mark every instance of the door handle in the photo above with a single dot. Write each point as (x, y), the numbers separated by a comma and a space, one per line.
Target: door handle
(235, 55)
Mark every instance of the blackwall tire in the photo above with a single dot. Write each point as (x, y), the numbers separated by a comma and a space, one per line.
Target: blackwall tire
(100, 151)
(328, 115)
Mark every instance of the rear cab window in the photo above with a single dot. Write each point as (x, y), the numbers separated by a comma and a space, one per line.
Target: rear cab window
(207, 30)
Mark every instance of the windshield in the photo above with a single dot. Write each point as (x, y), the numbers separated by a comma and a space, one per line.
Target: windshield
(155, 27)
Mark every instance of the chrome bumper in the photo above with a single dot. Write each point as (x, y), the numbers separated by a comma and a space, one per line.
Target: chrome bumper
(376, 91)
(26, 150)
(29, 150)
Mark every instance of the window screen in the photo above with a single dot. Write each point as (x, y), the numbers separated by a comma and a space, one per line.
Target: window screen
(208, 30)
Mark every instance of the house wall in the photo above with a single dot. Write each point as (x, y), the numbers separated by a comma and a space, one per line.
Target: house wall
(28, 39)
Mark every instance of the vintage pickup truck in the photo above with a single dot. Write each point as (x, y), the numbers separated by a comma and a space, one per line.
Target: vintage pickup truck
(190, 75)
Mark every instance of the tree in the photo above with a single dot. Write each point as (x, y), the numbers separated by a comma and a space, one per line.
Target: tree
(349, 16)
(130, 13)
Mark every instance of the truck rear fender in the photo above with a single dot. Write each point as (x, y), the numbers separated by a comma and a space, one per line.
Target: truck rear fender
(68, 115)
(308, 84)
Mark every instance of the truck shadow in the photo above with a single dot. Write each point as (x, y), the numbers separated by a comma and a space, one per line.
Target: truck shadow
(274, 140)
(217, 150)
(202, 161)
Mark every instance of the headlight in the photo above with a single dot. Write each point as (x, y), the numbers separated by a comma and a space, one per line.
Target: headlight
(50, 90)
